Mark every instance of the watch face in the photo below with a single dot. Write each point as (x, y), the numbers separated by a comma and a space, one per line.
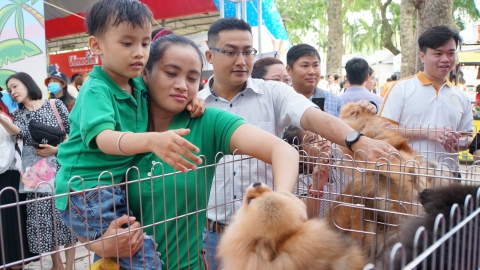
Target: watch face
(352, 136)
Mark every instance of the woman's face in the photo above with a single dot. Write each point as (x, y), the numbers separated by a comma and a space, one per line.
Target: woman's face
(17, 90)
(173, 80)
(62, 85)
(331, 79)
(277, 72)
(370, 82)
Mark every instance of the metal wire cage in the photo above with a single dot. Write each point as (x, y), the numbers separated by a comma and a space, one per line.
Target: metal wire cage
(367, 201)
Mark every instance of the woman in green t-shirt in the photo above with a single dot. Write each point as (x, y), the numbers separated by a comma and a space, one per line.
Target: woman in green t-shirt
(172, 201)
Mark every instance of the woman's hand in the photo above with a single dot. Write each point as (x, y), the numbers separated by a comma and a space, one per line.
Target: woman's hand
(196, 107)
(46, 150)
(127, 242)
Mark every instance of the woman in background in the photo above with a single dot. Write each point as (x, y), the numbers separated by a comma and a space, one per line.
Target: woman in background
(45, 230)
(271, 69)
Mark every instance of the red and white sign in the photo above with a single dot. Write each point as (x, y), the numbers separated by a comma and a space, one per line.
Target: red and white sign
(75, 62)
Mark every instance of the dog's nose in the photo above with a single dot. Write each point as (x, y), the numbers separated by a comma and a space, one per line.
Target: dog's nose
(257, 184)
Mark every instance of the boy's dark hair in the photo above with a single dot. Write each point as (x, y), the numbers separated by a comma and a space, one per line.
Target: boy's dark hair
(357, 71)
(322, 77)
(223, 25)
(159, 46)
(335, 77)
(300, 50)
(292, 135)
(260, 68)
(389, 79)
(34, 92)
(103, 13)
(437, 36)
(394, 77)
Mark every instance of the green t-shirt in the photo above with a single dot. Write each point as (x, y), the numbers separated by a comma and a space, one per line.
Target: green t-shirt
(180, 198)
(101, 105)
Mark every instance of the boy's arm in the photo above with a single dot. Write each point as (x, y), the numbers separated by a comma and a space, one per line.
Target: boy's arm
(250, 140)
(169, 146)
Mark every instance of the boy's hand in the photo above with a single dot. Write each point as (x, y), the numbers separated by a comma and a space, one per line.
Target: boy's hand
(196, 107)
(175, 150)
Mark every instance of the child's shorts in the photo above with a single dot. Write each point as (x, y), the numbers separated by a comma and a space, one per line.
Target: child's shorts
(89, 214)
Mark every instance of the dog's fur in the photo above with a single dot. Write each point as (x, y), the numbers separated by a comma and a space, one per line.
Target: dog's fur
(271, 231)
(439, 201)
(372, 126)
(396, 186)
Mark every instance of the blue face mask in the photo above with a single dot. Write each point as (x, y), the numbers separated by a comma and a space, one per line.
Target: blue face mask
(54, 87)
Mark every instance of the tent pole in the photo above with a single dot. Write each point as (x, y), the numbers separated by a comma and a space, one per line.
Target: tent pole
(259, 10)
(222, 9)
(244, 10)
(237, 7)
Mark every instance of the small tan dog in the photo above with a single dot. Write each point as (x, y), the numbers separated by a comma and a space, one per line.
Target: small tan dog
(271, 231)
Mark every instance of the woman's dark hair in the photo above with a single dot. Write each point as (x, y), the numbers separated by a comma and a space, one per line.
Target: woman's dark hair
(74, 76)
(159, 46)
(155, 32)
(103, 13)
(477, 88)
(260, 68)
(335, 77)
(34, 92)
(370, 71)
(225, 24)
(79, 80)
(298, 51)
(437, 36)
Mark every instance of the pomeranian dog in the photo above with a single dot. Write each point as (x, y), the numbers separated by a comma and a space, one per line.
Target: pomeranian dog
(394, 189)
(271, 231)
(373, 127)
(440, 201)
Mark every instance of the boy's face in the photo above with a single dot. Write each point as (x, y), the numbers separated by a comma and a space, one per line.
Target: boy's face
(124, 51)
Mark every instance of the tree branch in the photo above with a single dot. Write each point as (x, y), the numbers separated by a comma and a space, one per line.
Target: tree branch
(387, 39)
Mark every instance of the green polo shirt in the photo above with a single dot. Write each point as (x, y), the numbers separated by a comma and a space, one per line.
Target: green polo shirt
(181, 198)
(101, 105)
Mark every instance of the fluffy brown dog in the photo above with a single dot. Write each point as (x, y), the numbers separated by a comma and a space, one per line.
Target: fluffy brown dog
(271, 231)
(373, 127)
(369, 202)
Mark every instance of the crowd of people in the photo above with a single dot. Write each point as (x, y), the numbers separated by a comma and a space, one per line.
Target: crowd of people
(143, 106)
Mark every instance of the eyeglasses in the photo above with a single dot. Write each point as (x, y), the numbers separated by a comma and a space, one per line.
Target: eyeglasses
(234, 54)
(287, 80)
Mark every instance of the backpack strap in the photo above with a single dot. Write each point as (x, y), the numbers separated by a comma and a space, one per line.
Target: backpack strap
(55, 112)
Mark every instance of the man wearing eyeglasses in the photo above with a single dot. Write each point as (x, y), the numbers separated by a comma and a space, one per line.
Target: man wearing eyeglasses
(269, 105)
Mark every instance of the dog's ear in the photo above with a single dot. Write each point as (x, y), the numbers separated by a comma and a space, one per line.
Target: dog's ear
(266, 249)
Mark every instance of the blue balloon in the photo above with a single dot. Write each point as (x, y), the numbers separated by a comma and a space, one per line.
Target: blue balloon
(11, 104)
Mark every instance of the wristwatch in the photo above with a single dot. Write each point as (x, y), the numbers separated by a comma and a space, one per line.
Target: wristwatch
(352, 138)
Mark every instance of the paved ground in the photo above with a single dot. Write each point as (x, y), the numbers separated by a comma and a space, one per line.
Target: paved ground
(82, 259)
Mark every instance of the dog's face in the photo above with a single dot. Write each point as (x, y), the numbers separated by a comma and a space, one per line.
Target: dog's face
(269, 208)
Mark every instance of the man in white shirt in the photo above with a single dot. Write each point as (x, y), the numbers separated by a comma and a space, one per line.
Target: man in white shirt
(269, 105)
(429, 110)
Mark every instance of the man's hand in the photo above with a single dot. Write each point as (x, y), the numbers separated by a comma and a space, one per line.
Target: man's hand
(374, 149)
(367, 106)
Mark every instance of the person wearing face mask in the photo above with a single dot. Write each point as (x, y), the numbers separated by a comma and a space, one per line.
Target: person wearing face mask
(57, 86)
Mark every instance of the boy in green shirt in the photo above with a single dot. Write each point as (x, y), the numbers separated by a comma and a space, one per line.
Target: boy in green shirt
(108, 127)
